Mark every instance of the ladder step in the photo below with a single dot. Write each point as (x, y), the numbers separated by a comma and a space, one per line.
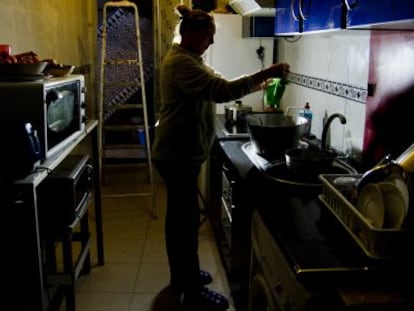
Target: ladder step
(121, 62)
(123, 84)
(123, 127)
(129, 106)
(118, 4)
(124, 147)
(125, 152)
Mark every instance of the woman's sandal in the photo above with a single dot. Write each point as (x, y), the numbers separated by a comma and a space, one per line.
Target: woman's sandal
(206, 300)
(205, 277)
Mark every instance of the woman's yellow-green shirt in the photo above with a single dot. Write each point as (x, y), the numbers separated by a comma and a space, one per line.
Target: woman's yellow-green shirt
(189, 89)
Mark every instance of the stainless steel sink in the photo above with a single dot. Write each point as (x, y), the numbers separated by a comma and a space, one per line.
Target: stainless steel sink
(278, 174)
(280, 171)
(308, 185)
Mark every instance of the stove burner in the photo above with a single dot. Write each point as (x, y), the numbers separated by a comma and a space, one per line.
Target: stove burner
(260, 161)
(236, 128)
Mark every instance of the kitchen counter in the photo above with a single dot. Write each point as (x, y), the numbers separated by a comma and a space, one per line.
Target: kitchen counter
(226, 132)
(239, 160)
(319, 251)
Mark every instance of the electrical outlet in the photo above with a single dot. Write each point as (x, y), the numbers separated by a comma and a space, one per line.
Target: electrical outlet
(260, 52)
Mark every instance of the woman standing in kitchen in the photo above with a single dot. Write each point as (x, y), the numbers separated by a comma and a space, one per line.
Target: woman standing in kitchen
(184, 136)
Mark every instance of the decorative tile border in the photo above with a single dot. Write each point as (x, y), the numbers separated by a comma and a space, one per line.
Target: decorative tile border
(335, 88)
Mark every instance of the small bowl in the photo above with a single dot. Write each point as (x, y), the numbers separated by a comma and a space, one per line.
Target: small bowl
(59, 71)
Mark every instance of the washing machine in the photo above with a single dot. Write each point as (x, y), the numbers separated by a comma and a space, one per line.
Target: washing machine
(276, 283)
(273, 287)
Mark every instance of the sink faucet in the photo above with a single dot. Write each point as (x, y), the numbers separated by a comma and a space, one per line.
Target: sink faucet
(327, 125)
(289, 108)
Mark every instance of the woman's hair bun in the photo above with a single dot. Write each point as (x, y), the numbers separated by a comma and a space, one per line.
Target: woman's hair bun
(194, 19)
(183, 10)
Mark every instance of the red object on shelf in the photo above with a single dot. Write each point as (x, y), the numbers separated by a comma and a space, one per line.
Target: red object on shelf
(5, 50)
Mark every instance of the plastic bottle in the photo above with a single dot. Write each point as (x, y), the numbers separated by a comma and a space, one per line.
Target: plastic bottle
(308, 114)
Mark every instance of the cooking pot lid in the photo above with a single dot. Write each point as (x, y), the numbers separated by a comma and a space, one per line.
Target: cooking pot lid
(238, 106)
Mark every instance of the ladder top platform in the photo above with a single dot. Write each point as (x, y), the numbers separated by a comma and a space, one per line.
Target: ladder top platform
(123, 3)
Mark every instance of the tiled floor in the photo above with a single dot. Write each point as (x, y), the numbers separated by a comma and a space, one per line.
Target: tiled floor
(135, 274)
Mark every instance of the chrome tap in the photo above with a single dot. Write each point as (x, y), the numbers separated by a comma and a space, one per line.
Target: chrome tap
(289, 108)
(327, 125)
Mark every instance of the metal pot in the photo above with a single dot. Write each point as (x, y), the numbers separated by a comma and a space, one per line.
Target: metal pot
(272, 134)
(309, 162)
(236, 113)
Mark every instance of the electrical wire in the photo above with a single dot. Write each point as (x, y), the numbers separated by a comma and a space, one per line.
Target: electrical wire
(293, 40)
(261, 55)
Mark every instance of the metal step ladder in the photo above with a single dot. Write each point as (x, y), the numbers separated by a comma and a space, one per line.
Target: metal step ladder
(137, 150)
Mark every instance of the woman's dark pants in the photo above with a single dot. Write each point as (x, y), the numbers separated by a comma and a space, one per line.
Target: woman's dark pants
(181, 225)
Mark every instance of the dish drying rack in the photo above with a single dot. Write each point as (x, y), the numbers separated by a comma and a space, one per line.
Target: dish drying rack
(375, 242)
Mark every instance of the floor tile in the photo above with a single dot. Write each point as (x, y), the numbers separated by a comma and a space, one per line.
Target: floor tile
(152, 278)
(154, 251)
(124, 250)
(161, 301)
(207, 251)
(156, 229)
(125, 227)
(110, 278)
(135, 275)
(100, 301)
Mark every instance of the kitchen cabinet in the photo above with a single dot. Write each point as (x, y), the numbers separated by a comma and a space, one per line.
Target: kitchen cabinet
(300, 16)
(230, 213)
(320, 14)
(380, 14)
(29, 286)
(229, 208)
(257, 26)
(287, 20)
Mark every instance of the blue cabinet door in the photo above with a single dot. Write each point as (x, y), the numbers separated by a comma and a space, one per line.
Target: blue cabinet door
(287, 21)
(320, 14)
(372, 12)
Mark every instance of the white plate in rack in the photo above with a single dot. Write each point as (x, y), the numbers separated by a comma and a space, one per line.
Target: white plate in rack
(371, 205)
(394, 205)
(401, 184)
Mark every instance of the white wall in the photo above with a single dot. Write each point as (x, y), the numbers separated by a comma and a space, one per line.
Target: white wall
(233, 56)
(342, 57)
(64, 30)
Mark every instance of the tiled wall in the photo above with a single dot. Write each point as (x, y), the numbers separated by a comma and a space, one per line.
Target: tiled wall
(330, 71)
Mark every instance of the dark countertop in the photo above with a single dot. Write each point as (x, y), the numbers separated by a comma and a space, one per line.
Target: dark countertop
(314, 243)
(234, 153)
(224, 132)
